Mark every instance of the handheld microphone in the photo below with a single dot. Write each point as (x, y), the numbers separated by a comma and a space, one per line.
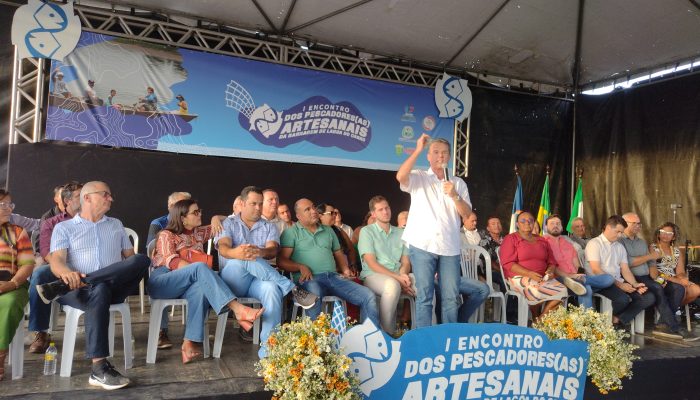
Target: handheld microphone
(444, 171)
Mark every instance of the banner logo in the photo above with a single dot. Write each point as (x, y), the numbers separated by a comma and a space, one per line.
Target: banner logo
(453, 97)
(316, 120)
(45, 30)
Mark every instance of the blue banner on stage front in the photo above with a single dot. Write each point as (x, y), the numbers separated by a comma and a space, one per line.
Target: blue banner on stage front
(119, 92)
(466, 361)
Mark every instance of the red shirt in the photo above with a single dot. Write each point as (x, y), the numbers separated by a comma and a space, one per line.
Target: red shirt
(564, 253)
(535, 256)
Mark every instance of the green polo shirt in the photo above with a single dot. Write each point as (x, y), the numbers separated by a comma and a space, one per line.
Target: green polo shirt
(387, 248)
(315, 250)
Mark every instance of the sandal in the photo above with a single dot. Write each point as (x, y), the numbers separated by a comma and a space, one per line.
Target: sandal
(247, 316)
(190, 351)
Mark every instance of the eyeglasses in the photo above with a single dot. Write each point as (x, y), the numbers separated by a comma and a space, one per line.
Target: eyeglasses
(7, 206)
(661, 231)
(526, 221)
(103, 193)
(329, 213)
(634, 223)
(196, 212)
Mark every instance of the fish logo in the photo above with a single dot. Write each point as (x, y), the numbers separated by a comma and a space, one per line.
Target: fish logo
(45, 30)
(453, 97)
(375, 357)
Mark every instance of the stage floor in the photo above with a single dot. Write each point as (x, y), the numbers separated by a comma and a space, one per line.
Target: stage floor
(233, 375)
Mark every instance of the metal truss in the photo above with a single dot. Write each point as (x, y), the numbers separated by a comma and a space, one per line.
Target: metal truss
(27, 92)
(461, 148)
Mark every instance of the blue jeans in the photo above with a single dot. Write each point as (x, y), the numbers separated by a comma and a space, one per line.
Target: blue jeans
(334, 284)
(593, 284)
(425, 265)
(473, 292)
(39, 312)
(668, 299)
(259, 280)
(106, 286)
(200, 286)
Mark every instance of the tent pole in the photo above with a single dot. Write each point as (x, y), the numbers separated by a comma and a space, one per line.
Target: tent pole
(576, 79)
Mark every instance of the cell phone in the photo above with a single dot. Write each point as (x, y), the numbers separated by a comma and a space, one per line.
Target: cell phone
(5, 275)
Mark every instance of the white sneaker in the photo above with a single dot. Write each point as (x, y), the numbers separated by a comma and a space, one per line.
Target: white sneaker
(575, 286)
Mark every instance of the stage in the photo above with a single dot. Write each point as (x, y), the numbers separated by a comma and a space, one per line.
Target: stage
(667, 370)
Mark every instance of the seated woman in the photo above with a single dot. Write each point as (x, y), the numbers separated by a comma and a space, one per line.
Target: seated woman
(16, 265)
(182, 270)
(529, 266)
(672, 261)
(326, 214)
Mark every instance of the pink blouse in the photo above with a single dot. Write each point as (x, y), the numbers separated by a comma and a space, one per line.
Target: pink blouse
(169, 244)
(535, 256)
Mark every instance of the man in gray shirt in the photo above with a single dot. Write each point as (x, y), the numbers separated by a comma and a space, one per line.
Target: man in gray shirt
(668, 296)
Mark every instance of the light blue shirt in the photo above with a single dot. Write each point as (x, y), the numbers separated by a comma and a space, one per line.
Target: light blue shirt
(387, 248)
(239, 233)
(90, 245)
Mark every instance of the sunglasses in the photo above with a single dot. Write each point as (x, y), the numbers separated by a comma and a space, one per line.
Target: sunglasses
(103, 193)
(526, 221)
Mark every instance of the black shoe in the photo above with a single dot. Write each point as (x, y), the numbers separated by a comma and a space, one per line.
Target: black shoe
(163, 340)
(51, 291)
(246, 336)
(304, 298)
(108, 377)
(666, 332)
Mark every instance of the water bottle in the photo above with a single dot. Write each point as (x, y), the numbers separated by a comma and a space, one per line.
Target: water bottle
(50, 358)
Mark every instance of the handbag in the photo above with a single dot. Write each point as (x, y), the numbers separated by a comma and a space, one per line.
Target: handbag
(193, 256)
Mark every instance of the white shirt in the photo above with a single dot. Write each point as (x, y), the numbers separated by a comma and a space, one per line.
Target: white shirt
(610, 256)
(472, 237)
(433, 221)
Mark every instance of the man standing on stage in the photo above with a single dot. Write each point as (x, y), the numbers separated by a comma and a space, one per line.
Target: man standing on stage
(432, 232)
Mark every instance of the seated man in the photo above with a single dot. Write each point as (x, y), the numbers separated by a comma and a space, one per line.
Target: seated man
(385, 265)
(568, 265)
(669, 296)
(285, 215)
(605, 255)
(96, 266)
(246, 241)
(40, 313)
(470, 235)
(312, 252)
(269, 209)
(578, 232)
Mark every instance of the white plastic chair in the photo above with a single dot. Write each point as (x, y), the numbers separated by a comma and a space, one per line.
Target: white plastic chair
(134, 237)
(71, 329)
(470, 257)
(157, 307)
(16, 354)
(221, 325)
(327, 303)
(412, 303)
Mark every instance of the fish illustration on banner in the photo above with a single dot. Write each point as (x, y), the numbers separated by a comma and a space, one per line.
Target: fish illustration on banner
(45, 30)
(453, 97)
(316, 120)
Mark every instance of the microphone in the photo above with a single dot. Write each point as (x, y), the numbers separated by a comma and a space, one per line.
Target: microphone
(444, 171)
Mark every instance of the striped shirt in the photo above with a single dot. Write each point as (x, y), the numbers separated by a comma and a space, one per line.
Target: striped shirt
(90, 245)
(15, 249)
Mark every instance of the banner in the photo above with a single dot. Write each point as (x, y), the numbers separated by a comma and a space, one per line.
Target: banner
(120, 92)
(466, 361)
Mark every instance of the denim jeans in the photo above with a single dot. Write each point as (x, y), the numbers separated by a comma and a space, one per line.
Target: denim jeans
(425, 265)
(473, 292)
(106, 286)
(39, 312)
(668, 299)
(593, 284)
(334, 284)
(259, 280)
(200, 286)
(625, 305)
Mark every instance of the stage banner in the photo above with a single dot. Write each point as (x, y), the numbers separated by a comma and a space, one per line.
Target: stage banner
(124, 93)
(466, 361)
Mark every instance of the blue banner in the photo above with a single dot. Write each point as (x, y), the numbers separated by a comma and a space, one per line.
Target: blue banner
(119, 92)
(466, 361)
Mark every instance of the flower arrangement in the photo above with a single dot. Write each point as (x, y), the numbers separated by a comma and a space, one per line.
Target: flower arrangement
(610, 354)
(304, 363)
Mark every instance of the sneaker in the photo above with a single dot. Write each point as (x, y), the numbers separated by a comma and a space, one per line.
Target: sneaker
(246, 336)
(666, 332)
(40, 343)
(304, 298)
(575, 286)
(688, 336)
(163, 340)
(51, 291)
(627, 327)
(108, 377)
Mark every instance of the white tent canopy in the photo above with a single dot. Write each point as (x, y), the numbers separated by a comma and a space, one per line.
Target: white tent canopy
(531, 40)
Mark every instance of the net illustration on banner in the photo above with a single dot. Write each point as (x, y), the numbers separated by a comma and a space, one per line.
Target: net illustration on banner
(45, 30)
(316, 120)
